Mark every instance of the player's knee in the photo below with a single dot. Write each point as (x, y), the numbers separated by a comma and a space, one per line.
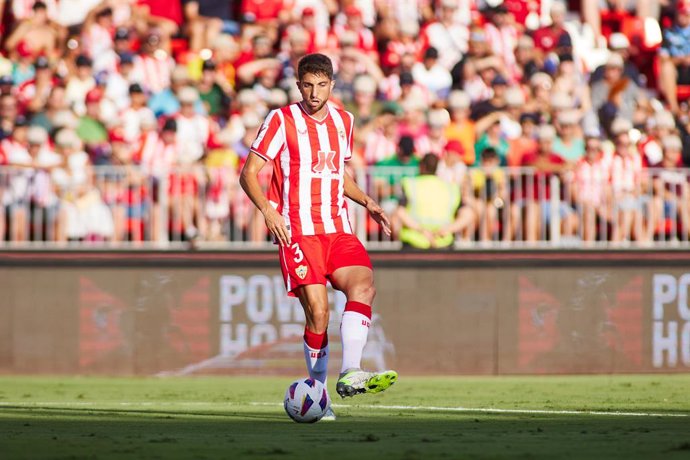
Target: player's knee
(319, 318)
(364, 293)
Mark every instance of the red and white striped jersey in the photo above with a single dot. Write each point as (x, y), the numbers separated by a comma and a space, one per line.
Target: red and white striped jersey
(309, 155)
(592, 180)
(155, 72)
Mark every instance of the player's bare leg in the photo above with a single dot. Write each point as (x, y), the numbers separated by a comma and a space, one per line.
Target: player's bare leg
(314, 300)
(357, 283)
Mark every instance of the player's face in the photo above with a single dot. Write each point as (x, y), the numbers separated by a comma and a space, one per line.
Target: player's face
(315, 90)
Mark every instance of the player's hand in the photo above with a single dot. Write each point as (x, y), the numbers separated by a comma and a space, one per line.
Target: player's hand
(276, 225)
(376, 212)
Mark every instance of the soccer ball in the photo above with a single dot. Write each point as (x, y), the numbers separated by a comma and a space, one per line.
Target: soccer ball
(306, 400)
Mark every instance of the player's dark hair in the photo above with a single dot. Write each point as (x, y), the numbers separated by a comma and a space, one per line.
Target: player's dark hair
(317, 64)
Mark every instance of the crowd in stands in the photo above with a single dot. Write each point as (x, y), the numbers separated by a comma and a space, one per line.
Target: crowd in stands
(128, 120)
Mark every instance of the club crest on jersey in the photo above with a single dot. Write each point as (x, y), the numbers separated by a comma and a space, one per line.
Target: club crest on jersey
(325, 162)
(341, 134)
(301, 271)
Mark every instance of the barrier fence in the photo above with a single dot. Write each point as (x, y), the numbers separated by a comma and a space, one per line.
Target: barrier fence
(512, 207)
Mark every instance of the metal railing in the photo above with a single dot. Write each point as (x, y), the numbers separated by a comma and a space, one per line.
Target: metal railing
(512, 207)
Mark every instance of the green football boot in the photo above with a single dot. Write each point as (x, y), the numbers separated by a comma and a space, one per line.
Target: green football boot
(356, 381)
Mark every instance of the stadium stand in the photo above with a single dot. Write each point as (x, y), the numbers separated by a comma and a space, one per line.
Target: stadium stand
(126, 122)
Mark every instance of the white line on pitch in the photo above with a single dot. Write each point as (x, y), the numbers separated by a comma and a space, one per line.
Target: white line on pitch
(488, 410)
(494, 410)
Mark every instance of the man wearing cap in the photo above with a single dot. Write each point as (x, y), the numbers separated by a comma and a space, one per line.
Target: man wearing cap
(569, 143)
(193, 129)
(495, 103)
(659, 126)
(91, 129)
(136, 112)
(33, 94)
(619, 44)
(364, 105)
(589, 188)
(432, 75)
(80, 83)
(628, 202)
(365, 40)
(675, 56)
(461, 127)
(615, 95)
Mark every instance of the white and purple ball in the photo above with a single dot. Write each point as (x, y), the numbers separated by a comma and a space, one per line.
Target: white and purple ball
(306, 400)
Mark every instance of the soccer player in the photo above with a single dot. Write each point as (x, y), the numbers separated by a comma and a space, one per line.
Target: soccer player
(305, 211)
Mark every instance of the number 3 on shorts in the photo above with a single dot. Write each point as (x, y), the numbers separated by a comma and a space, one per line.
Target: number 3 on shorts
(299, 255)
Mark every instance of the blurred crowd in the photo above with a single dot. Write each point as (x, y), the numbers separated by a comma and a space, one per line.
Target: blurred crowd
(128, 120)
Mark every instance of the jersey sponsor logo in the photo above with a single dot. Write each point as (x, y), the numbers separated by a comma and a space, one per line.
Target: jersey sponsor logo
(325, 162)
(301, 271)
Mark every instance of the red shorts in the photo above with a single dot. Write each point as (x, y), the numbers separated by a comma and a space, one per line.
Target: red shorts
(313, 259)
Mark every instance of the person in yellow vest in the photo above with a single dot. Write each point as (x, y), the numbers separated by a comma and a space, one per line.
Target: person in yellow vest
(430, 210)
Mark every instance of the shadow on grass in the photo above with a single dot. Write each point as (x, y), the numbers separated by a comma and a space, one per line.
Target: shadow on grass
(265, 432)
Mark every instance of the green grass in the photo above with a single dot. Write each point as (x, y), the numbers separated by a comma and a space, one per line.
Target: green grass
(213, 418)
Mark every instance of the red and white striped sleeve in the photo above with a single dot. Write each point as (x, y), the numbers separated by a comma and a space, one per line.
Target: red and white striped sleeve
(270, 140)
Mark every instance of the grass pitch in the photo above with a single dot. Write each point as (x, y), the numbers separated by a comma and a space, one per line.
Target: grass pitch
(231, 417)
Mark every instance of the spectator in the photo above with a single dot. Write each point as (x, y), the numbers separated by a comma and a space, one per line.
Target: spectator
(206, 19)
(629, 204)
(569, 144)
(490, 192)
(590, 189)
(37, 33)
(136, 112)
(671, 193)
(213, 90)
(364, 106)
(380, 141)
(537, 189)
(451, 167)
(428, 209)
(675, 56)
(526, 143)
(615, 95)
(461, 127)
(547, 38)
(489, 131)
(525, 58)
(448, 35)
(659, 126)
(91, 129)
(502, 36)
(80, 84)
(619, 44)
(33, 94)
(432, 75)
(493, 104)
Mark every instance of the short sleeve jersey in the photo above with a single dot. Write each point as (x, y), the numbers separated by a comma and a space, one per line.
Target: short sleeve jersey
(309, 157)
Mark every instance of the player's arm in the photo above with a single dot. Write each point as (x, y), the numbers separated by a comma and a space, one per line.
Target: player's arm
(353, 192)
(249, 181)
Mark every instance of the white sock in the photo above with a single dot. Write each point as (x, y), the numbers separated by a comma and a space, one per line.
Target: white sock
(316, 355)
(354, 329)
